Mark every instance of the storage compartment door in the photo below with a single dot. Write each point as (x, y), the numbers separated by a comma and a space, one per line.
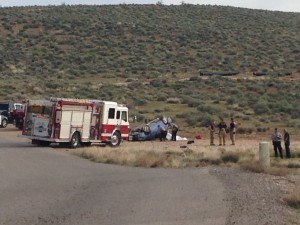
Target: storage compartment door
(65, 124)
(86, 125)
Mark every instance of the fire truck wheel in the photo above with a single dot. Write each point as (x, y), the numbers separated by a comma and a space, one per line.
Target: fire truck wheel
(115, 139)
(75, 140)
(4, 123)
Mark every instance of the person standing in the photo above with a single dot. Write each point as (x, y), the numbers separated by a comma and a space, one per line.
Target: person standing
(276, 139)
(222, 132)
(162, 132)
(211, 129)
(232, 131)
(174, 129)
(286, 138)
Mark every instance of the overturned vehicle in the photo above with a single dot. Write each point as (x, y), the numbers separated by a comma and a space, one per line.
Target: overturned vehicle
(150, 131)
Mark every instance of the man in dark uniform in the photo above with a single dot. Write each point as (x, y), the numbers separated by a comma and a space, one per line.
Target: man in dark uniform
(286, 139)
(222, 132)
(174, 128)
(162, 132)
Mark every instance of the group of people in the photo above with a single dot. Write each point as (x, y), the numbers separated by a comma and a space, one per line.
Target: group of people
(162, 131)
(276, 140)
(222, 131)
(276, 136)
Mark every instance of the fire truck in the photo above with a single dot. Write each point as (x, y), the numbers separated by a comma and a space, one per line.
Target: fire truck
(75, 122)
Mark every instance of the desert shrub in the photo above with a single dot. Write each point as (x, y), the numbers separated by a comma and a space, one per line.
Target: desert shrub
(140, 117)
(191, 120)
(261, 108)
(183, 115)
(261, 129)
(156, 83)
(140, 101)
(230, 157)
(159, 110)
(135, 85)
(231, 101)
(293, 200)
(161, 98)
(204, 120)
(208, 161)
(245, 130)
(195, 79)
(173, 100)
(191, 102)
(293, 165)
(51, 85)
(205, 108)
(150, 159)
(242, 102)
(252, 166)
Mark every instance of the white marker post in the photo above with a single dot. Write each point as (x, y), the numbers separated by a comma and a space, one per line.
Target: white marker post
(264, 155)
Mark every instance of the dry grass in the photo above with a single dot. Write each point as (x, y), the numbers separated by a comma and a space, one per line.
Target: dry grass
(180, 155)
(293, 199)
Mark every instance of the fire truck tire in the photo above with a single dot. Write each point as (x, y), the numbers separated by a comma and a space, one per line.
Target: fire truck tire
(115, 139)
(75, 140)
(4, 123)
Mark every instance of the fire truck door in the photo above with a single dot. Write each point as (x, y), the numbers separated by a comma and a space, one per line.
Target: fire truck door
(65, 124)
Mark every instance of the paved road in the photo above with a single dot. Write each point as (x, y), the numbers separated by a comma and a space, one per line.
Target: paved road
(51, 186)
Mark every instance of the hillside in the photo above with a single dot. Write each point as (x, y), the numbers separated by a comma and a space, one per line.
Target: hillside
(150, 56)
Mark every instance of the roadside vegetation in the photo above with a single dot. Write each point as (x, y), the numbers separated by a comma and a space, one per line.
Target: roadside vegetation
(170, 156)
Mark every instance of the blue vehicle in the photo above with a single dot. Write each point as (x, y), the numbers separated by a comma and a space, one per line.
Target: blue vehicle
(150, 130)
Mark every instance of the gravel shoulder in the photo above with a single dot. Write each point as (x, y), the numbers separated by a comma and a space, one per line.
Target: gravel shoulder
(257, 198)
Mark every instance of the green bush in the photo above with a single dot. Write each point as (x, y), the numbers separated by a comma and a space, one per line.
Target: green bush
(261, 108)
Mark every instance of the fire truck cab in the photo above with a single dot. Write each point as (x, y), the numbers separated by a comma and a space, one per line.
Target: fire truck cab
(75, 121)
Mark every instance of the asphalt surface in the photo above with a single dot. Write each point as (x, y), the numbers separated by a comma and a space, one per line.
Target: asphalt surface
(45, 185)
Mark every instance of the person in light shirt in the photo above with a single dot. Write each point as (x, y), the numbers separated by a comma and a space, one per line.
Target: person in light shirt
(276, 140)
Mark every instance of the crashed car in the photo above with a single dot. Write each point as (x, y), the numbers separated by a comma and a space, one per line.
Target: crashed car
(149, 131)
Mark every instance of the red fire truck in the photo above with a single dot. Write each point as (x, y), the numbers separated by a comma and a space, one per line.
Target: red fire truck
(75, 122)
